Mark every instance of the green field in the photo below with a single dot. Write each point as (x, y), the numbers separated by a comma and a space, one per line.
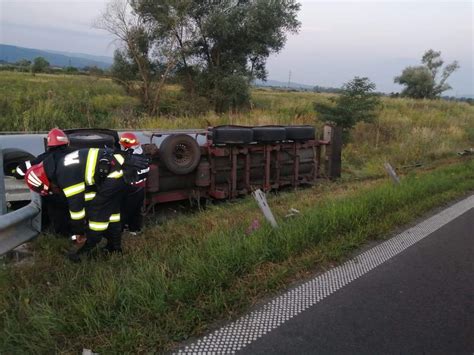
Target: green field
(181, 276)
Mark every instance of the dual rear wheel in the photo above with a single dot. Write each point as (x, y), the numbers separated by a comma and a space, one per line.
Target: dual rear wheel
(181, 154)
(261, 134)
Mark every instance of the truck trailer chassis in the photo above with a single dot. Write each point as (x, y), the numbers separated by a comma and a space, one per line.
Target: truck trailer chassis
(230, 170)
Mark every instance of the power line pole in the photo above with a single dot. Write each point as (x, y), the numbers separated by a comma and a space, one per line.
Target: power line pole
(289, 79)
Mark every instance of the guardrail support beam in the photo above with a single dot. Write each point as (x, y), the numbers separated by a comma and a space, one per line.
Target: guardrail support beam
(333, 151)
(18, 227)
(3, 200)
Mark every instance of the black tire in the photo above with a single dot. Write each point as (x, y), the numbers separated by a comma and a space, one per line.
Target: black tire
(180, 153)
(80, 140)
(266, 134)
(300, 133)
(12, 157)
(232, 135)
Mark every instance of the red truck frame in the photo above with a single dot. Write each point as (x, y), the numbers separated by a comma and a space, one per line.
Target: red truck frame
(226, 171)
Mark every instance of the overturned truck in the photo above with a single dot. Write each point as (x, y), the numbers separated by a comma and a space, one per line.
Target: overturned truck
(231, 161)
(216, 163)
(221, 162)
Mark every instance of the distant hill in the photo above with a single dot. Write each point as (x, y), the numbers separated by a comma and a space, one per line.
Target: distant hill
(12, 54)
(97, 58)
(295, 86)
(281, 84)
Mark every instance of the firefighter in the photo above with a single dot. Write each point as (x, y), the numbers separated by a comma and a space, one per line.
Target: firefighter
(72, 173)
(132, 203)
(57, 143)
(55, 204)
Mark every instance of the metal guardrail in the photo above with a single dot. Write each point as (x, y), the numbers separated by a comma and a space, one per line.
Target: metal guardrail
(19, 226)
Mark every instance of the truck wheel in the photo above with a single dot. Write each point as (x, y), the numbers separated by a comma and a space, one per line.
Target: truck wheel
(180, 153)
(267, 134)
(300, 133)
(232, 135)
(80, 140)
(12, 157)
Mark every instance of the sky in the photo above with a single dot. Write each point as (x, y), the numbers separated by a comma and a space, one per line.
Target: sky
(337, 40)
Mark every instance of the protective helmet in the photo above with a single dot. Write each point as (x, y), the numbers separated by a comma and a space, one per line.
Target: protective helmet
(57, 137)
(37, 180)
(129, 140)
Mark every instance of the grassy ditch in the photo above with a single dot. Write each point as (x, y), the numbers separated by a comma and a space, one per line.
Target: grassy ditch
(180, 277)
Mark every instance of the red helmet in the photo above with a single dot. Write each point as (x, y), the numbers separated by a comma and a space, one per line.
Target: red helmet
(129, 140)
(37, 180)
(57, 137)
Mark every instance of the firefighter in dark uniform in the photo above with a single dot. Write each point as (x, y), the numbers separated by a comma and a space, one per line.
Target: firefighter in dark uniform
(133, 201)
(55, 204)
(76, 171)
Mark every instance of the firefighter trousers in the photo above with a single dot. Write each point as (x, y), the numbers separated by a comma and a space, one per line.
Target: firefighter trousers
(57, 213)
(131, 211)
(103, 215)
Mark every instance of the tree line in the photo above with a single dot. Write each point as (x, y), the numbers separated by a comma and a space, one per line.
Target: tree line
(41, 65)
(215, 49)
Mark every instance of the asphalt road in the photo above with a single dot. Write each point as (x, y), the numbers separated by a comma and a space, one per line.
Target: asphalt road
(420, 301)
(411, 294)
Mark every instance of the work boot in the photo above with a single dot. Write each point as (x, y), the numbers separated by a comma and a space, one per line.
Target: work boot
(85, 250)
(109, 250)
(74, 257)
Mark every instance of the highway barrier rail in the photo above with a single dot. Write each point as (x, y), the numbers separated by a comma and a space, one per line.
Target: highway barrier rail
(20, 226)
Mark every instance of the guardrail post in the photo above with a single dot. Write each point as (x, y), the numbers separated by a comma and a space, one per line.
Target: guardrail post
(3, 201)
(333, 151)
(36, 221)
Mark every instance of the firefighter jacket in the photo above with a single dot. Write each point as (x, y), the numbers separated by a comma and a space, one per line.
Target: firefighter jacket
(21, 169)
(138, 177)
(75, 173)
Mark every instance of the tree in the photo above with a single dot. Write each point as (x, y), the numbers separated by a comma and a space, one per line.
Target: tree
(125, 71)
(40, 65)
(23, 63)
(139, 60)
(221, 46)
(422, 81)
(71, 70)
(357, 102)
(93, 70)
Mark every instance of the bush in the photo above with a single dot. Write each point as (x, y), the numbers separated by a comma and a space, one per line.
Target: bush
(357, 103)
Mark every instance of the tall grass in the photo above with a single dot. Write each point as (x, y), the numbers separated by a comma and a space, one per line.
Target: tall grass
(181, 276)
(409, 132)
(35, 103)
(406, 131)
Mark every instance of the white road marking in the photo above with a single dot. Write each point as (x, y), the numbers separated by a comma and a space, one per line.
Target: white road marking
(236, 335)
